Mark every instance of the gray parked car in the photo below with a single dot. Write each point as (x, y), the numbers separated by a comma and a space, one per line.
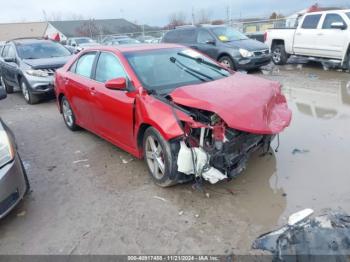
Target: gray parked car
(14, 182)
(30, 64)
(222, 43)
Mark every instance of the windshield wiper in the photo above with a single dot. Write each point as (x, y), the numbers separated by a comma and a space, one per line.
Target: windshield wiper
(190, 70)
(200, 60)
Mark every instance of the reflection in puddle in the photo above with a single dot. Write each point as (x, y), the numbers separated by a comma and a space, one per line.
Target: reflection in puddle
(329, 102)
(321, 125)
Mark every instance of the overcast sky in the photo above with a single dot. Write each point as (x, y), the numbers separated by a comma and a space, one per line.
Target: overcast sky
(152, 12)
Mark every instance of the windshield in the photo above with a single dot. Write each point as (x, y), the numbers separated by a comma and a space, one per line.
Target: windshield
(227, 34)
(83, 40)
(40, 50)
(163, 70)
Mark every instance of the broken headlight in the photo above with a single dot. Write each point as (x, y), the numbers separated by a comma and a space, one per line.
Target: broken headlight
(7, 152)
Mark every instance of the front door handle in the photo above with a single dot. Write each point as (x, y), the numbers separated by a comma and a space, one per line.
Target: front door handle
(92, 90)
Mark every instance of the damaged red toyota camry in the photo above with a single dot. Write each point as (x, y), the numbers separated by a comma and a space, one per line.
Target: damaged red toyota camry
(185, 114)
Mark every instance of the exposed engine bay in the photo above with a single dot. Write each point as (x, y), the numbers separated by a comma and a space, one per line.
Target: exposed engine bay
(214, 151)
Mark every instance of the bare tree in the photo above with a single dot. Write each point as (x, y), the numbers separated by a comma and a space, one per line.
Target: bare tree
(55, 16)
(59, 16)
(203, 16)
(88, 28)
(274, 15)
(177, 19)
(218, 22)
(75, 16)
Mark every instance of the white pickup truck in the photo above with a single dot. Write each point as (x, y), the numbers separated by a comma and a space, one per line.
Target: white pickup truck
(323, 36)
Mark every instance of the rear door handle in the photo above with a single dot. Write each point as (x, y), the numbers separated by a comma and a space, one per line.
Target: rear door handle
(320, 34)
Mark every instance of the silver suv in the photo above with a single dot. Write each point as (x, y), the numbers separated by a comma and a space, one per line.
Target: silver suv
(30, 64)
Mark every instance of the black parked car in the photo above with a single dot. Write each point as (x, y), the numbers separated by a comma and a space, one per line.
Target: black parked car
(30, 64)
(222, 43)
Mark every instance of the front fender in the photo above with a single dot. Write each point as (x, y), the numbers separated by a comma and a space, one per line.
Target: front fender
(153, 112)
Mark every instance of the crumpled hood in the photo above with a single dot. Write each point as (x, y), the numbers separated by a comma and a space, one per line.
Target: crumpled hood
(44, 63)
(244, 102)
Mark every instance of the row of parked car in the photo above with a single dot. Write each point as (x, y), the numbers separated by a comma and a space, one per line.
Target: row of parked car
(30, 64)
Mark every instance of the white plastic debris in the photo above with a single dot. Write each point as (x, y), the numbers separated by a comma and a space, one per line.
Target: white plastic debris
(185, 165)
(160, 198)
(299, 216)
(213, 175)
(21, 214)
(80, 161)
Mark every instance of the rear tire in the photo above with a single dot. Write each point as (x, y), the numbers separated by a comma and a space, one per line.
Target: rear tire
(9, 89)
(227, 61)
(159, 159)
(279, 55)
(27, 94)
(68, 115)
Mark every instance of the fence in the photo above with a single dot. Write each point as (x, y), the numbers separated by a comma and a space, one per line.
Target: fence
(254, 29)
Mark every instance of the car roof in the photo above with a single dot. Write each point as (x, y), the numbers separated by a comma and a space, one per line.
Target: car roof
(29, 40)
(134, 48)
(328, 11)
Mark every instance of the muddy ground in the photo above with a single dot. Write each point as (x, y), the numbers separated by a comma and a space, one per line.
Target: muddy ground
(89, 197)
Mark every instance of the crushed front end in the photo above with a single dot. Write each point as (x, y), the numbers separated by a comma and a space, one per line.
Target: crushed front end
(213, 151)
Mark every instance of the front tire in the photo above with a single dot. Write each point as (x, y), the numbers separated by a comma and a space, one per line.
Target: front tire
(227, 62)
(27, 93)
(279, 55)
(158, 158)
(68, 115)
(9, 89)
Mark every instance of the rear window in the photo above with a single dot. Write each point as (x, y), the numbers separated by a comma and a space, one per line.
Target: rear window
(311, 21)
(180, 36)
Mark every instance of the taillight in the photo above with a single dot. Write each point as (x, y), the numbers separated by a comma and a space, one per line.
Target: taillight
(265, 36)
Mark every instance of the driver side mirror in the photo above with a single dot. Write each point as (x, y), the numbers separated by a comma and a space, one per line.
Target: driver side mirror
(10, 60)
(3, 93)
(210, 42)
(338, 25)
(117, 84)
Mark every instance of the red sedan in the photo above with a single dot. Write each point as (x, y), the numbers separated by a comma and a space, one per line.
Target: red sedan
(185, 114)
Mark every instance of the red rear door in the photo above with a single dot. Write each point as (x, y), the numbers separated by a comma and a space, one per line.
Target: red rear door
(79, 87)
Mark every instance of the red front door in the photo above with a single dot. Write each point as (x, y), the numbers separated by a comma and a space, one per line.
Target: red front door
(113, 109)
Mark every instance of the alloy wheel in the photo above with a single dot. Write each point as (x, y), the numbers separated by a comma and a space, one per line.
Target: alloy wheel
(25, 91)
(276, 55)
(2, 82)
(155, 157)
(67, 113)
(226, 63)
